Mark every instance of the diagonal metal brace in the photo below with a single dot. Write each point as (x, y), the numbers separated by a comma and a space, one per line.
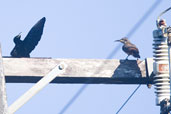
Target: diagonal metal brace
(58, 70)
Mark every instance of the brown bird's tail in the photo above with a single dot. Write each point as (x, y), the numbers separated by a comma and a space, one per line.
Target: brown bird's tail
(138, 56)
(149, 85)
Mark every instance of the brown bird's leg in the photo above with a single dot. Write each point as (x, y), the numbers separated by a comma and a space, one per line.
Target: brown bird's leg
(127, 57)
(138, 60)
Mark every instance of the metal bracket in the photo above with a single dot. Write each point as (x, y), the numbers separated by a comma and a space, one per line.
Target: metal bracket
(149, 71)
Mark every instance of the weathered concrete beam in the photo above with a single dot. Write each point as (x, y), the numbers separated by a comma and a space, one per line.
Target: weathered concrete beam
(93, 71)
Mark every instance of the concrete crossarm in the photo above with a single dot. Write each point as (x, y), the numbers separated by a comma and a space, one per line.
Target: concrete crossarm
(92, 71)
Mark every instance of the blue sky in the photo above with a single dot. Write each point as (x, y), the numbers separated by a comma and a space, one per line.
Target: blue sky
(82, 29)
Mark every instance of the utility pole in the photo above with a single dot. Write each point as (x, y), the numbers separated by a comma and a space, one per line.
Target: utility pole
(3, 100)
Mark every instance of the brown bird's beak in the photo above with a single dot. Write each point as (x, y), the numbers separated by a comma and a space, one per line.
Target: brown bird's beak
(117, 41)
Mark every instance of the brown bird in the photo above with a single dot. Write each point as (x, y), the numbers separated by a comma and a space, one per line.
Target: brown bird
(129, 48)
(23, 48)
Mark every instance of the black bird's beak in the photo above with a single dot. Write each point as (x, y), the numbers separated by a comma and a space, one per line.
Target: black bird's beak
(19, 34)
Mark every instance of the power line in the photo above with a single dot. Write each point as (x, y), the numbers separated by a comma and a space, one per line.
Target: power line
(128, 99)
(129, 34)
(73, 98)
(142, 20)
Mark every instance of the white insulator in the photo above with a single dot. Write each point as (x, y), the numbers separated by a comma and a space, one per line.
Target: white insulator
(161, 68)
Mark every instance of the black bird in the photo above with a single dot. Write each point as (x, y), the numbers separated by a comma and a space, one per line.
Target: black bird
(129, 48)
(23, 48)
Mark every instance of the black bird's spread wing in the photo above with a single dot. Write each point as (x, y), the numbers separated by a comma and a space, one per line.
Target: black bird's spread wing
(34, 35)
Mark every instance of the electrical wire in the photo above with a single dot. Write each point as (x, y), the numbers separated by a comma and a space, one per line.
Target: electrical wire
(130, 33)
(128, 99)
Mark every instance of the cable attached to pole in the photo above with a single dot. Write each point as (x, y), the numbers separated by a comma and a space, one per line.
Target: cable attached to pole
(163, 12)
(128, 99)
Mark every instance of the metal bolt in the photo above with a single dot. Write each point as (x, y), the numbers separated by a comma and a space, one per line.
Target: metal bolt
(61, 67)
